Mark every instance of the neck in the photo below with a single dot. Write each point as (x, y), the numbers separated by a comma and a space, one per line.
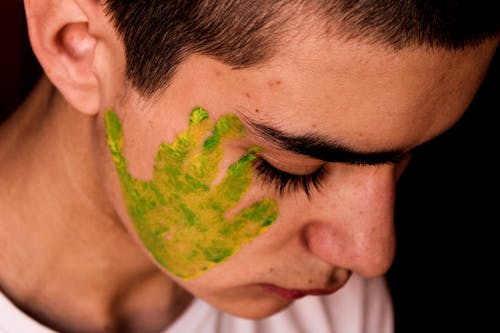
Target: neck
(64, 251)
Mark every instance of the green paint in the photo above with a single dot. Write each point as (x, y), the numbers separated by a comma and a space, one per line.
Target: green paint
(179, 215)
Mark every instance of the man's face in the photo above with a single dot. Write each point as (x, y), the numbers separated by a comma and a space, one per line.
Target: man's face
(334, 119)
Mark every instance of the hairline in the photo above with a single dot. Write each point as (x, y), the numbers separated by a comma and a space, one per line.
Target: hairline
(323, 25)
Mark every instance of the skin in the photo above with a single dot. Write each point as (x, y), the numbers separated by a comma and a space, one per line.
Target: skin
(178, 215)
(80, 241)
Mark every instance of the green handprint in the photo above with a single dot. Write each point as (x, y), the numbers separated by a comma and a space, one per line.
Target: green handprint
(180, 217)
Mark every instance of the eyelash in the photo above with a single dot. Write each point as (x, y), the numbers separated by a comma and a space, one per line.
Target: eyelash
(287, 182)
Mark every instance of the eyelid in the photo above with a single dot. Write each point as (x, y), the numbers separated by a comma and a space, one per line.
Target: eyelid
(291, 163)
(288, 182)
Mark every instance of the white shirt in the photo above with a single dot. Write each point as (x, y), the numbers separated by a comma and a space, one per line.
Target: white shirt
(361, 306)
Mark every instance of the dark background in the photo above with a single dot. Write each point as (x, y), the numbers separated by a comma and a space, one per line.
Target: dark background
(443, 277)
(19, 70)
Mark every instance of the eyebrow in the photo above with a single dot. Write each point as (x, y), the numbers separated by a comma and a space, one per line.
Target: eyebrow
(318, 147)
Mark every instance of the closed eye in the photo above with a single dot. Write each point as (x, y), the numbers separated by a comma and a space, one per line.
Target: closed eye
(285, 182)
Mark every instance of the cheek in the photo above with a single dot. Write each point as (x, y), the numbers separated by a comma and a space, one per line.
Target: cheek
(183, 220)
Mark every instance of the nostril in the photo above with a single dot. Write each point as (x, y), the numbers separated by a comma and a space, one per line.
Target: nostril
(339, 277)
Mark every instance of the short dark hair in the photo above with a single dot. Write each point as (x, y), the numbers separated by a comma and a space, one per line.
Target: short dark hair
(159, 34)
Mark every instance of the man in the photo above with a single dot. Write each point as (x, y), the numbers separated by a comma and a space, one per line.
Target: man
(200, 166)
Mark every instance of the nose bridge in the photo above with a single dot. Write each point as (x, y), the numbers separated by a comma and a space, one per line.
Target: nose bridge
(356, 229)
(371, 189)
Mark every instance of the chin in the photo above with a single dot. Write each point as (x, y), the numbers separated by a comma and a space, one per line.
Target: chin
(255, 310)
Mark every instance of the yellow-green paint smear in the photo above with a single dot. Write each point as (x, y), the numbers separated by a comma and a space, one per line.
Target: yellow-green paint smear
(180, 217)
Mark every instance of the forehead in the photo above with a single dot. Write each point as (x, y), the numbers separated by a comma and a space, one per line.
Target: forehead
(360, 95)
(371, 97)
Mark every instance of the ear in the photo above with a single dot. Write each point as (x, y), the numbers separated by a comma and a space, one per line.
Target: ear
(61, 38)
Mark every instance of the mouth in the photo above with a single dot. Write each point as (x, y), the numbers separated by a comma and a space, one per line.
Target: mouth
(293, 294)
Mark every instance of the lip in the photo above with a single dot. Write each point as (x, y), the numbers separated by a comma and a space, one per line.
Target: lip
(293, 294)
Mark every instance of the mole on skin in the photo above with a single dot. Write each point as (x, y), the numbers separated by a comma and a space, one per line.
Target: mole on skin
(178, 214)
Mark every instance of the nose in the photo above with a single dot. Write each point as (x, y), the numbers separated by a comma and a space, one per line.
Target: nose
(353, 221)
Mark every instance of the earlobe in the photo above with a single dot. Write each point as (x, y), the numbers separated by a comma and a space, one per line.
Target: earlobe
(62, 42)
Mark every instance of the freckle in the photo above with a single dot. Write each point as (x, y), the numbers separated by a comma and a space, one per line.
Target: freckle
(314, 126)
(274, 83)
(443, 77)
(217, 72)
(309, 281)
(257, 111)
(248, 95)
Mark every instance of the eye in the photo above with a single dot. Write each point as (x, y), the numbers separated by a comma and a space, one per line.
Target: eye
(287, 182)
